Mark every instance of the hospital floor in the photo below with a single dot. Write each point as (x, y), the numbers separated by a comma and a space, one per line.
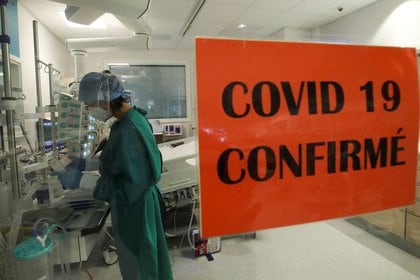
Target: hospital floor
(316, 251)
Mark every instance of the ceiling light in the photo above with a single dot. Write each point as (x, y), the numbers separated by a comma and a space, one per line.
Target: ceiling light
(97, 24)
(241, 25)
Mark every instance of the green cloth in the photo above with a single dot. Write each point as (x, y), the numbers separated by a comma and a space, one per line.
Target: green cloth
(130, 170)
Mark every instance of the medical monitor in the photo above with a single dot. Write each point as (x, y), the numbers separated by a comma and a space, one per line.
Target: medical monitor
(48, 144)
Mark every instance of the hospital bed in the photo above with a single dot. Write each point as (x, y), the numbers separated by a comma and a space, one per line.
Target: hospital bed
(179, 165)
(179, 185)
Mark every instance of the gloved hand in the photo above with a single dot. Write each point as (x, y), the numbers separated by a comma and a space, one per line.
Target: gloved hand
(88, 181)
(70, 178)
(100, 146)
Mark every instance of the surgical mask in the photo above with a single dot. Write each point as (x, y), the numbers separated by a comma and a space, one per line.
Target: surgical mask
(99, 113)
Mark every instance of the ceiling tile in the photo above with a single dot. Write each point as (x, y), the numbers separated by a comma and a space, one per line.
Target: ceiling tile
(282, 5)
(220, 12)
(167, 18)
(291, 19)
(202, 28)
(42, 5)
(245, 33)
(257, 16)
(235, 2)
(179, 9)
(165, 24)
(161, 41)
(317, 22)
(315, 7)
(187, 43)
(354, 5)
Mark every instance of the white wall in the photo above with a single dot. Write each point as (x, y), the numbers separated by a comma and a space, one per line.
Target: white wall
(386, 22)
(291, 34)
(51, 50)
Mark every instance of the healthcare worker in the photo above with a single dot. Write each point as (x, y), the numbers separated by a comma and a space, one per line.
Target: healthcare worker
(74, 175)
(130, 168)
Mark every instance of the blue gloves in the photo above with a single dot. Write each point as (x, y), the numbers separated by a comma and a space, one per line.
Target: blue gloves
(70, 178)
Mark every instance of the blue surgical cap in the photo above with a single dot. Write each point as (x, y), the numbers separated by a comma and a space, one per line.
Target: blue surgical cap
(96, 87)
(116, 88)
(93, 88)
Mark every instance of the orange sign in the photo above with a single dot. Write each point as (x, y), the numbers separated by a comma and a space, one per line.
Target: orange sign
(299, 132)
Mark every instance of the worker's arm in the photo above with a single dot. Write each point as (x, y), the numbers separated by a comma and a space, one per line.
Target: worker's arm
(73, 175)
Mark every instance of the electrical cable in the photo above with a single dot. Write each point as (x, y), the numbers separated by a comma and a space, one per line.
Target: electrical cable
(191, 219)
(176, 209)
(174, 233)
(25, 134)
(194, 197)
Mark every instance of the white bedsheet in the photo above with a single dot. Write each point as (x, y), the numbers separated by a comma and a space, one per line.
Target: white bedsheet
(179, 165)
(183, 150)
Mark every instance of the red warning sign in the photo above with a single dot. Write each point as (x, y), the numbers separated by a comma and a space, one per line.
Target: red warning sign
(299, 132)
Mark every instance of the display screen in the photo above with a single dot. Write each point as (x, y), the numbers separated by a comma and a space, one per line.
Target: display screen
(48, 144)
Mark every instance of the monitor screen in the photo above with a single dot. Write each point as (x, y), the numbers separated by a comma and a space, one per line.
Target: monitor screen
(48, 144)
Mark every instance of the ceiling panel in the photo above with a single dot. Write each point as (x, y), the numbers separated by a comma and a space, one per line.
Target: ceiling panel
(166, 25)
(235, 2)
(291, 19)
(258, 16)
(221, 12)
(168, 18)
(42, 5)
(162, 42)
(282, 5)
(315, 7)
(174, 9)
(187, 42)
(317, 21)
(354, 5)
(233, 31)
(202, 27)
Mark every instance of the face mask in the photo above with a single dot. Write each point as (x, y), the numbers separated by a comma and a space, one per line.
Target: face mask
(99, 113)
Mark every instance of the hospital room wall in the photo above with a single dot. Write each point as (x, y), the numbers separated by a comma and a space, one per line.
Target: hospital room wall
(98, 61)
(51, 50)
(385, 22)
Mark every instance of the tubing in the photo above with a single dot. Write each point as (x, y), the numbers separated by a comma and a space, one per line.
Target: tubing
(65, 266)
(17, 219)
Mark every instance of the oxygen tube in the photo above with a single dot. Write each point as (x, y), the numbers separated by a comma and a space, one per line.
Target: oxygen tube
(41, 231)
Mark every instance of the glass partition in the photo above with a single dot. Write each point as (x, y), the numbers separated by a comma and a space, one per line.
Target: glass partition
(159, 89)
(400, 226)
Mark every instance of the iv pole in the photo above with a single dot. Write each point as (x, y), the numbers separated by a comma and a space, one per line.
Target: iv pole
(5, 41)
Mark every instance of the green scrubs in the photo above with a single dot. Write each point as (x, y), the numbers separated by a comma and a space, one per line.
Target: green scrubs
(130, 170)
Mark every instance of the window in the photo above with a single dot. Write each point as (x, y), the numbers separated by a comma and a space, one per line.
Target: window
(159, 89)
